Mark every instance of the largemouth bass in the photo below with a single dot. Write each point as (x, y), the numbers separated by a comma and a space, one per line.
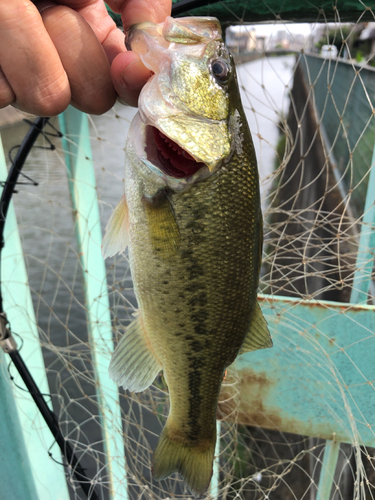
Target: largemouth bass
(192, 219)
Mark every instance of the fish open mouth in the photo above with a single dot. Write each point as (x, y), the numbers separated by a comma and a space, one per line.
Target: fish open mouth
(173, 159)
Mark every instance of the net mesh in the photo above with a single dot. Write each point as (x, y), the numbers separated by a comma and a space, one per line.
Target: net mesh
(312, 121)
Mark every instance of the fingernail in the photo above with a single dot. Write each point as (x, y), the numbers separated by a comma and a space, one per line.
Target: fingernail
(131, 75)
(42, 6)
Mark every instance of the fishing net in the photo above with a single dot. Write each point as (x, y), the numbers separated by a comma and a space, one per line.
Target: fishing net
(288, 414)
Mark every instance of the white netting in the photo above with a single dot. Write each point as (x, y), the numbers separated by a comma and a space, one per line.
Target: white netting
(312, 121)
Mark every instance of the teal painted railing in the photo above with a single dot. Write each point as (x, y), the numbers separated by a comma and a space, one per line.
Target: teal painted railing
(30, 468)
(82, 184)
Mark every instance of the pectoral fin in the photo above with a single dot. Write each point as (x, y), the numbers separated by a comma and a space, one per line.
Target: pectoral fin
(134, 365)
(116, 233)
(258, 336)
(163, 228)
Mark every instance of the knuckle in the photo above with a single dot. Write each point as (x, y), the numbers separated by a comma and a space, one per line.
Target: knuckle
(48, 99)
(53, 104)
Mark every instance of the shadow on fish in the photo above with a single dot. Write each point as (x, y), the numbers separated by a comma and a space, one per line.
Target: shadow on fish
(191, 217)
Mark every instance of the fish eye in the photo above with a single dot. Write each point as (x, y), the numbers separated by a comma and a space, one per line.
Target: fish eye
(220, 70)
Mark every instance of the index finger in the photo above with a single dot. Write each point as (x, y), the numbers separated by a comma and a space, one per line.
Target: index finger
(132, 12)
(95, 14)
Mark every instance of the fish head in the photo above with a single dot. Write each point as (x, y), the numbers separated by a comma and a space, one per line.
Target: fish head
(186, 108)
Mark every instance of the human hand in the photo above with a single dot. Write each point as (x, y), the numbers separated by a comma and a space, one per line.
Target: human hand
(53, 54)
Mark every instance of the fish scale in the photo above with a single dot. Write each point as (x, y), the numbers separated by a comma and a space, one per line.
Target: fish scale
(194, 245)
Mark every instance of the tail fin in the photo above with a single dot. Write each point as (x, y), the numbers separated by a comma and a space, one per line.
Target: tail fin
(194, 463)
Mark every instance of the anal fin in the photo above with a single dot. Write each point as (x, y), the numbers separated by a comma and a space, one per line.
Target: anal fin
(258, 335)
(134, 365)
(116, 233)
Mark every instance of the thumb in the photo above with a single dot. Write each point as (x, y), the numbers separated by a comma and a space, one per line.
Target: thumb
(129, 75)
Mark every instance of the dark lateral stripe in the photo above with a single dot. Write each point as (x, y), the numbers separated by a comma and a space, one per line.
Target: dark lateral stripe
(195, 383)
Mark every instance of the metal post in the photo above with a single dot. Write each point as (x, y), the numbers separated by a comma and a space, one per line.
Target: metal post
(365, 255)
(215, 481)
(82, 184)
(331, 454)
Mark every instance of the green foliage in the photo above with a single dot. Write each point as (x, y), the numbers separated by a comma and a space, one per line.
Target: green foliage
(359, 56)
(337, 37)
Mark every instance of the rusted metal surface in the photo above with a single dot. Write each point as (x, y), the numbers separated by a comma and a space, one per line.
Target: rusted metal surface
(319, 377)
